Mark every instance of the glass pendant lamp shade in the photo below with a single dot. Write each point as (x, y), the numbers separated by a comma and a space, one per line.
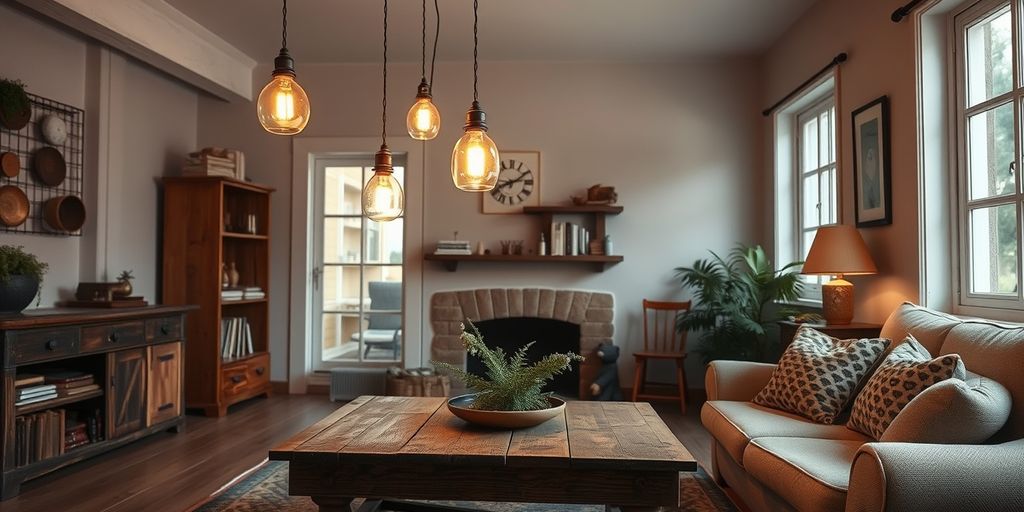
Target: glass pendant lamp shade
(283, 107)
(383, 199)
(423, 121)
(475, 159)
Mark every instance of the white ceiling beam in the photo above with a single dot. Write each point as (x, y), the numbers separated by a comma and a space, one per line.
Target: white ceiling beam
(158, 34)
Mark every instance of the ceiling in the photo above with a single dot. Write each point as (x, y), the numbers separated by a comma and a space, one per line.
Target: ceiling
(350, 30)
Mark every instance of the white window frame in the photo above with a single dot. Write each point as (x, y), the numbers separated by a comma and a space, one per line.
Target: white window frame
(789, 222)
(324, 361)
(966, 301)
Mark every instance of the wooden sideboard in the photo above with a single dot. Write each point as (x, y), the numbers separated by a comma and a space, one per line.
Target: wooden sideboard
(135, 355)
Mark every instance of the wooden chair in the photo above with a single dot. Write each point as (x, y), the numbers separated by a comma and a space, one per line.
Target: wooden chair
(661, 341)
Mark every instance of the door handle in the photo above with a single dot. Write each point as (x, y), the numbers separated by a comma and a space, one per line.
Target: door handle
(51, 345)
(237, 378)
(165, 329)
(165, 357)
(164, 407)
(113, 337)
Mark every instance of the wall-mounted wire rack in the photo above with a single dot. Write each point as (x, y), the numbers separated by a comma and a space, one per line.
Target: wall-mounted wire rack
(25, 142)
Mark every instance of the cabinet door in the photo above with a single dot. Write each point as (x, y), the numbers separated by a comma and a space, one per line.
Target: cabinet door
(126, 398)
(164, 383)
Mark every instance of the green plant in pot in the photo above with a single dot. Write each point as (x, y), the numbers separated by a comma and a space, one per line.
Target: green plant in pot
(735, 299)
(15, 107)
(511, 394)
(21, 275)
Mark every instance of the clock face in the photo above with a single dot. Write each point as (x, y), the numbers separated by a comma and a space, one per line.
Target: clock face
(515, 183)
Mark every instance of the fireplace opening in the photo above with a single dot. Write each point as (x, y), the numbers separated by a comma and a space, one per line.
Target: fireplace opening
(510, 334)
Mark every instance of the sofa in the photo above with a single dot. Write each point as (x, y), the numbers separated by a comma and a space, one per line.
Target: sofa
(773, 460)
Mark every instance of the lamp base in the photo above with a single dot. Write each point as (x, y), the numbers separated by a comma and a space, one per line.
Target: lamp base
(837, 301)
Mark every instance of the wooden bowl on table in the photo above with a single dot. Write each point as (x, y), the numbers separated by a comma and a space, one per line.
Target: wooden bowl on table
(461, 406)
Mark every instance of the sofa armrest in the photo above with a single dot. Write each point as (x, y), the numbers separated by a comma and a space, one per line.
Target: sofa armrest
(917, 476)
(736, 380)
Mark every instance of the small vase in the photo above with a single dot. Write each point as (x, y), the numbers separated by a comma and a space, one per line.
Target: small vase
(233, 275)
(225, 280)
(122, 289)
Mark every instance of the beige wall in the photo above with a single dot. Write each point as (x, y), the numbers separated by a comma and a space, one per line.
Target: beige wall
(139, 123)
(881, 62)
(679, 141)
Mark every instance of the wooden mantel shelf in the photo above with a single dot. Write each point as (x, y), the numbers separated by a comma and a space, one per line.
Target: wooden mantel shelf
(451, 261)
(566, 209)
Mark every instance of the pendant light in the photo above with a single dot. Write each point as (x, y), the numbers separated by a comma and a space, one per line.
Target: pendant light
(383, 199)
(283, 108)
(475, 157)
(424, 121)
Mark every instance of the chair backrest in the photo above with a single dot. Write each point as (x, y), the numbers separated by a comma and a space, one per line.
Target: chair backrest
(660, 326)
(385, 296)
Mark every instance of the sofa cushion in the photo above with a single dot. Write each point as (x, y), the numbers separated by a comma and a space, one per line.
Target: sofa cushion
(907, 371)
(810, 474)
(734, 424)
(995, 351)
(818, 374)
(953, 411)
(927, 326)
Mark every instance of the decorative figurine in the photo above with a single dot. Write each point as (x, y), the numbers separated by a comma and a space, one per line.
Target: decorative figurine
(606, 385)
(123, 288)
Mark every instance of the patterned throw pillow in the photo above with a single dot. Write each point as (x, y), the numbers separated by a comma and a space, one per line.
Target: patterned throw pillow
(818, 374)
(907, 371)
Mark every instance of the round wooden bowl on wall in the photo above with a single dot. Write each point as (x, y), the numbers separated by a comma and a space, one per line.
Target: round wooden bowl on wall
(14, 206)
(50, 167)
(10, 164)
(64, 213)
(17, 121)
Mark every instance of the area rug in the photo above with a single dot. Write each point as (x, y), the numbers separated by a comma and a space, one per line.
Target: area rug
(265, 488)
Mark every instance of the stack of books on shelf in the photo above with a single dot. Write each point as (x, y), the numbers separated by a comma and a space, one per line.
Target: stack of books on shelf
(453, 247)
(81, 430)
(236, 338)
(232, 293)
(253, 292)
(31, 388)
(569, 239)
(38, 436)
(71, 383)
(212, 161)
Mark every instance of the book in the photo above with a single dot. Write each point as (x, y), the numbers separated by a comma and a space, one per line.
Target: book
(36, 399)
(36, 390)
(453, 251)
(65, 376)
(78, 390)
(27, 379)
(75, 384)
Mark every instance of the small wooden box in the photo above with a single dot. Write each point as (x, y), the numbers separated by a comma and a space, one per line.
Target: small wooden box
(417, 382)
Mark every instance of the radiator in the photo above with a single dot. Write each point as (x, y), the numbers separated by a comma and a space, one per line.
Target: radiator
(349, 383)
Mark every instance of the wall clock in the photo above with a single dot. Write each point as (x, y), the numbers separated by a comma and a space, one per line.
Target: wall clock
(518, 183)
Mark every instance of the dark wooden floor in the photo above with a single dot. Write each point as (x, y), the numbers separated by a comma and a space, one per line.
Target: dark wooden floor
(172, 472)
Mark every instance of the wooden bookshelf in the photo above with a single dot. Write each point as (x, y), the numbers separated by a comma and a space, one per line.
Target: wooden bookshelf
(599, 262)
(196, 243)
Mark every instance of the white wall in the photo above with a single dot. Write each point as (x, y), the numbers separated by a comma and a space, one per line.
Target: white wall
(139, 125)
(679, 141)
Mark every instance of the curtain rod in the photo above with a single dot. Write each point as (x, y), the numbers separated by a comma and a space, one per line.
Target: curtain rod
(833, 63)
(903, 12)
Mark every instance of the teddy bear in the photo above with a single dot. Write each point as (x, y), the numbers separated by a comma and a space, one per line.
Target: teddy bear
(606, 385)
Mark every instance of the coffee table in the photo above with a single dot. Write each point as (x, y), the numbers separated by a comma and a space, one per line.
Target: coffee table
(612, 453)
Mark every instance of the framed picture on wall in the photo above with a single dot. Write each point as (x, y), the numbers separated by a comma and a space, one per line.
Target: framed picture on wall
(518, 183)
(872, 177)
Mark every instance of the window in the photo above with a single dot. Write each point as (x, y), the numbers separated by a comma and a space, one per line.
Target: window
(358, 289)
(989, 101)
(806, 178)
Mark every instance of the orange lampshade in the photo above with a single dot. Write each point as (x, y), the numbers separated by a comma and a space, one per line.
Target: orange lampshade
(839, 250)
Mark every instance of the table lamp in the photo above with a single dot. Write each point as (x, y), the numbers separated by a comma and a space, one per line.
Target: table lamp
(838, 251)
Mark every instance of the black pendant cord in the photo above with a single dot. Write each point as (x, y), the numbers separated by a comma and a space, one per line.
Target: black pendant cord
(284, 24)
(437, 34)
(839, 59)
(476, 42)
(423, 46)
(384, 98)
(903, 12)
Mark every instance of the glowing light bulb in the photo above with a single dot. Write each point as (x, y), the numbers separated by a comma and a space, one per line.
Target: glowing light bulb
(423, 121)
(283, 108)
(475, 162)
(383, 199)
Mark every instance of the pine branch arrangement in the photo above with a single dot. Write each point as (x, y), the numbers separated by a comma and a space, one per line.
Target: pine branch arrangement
(511, 384)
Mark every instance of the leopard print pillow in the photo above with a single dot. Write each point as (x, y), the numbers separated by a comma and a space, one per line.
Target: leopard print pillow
(907, 371)
(817, 375)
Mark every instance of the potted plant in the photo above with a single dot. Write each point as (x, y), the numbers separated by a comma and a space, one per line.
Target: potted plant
(15, 107)
(21, 275)
(734, 296)
(511, 395)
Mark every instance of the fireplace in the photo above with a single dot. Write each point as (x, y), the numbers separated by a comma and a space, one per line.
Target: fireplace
(549, 335)
(591, 312)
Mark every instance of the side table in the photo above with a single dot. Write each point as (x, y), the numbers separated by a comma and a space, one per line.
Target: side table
(787, 329)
